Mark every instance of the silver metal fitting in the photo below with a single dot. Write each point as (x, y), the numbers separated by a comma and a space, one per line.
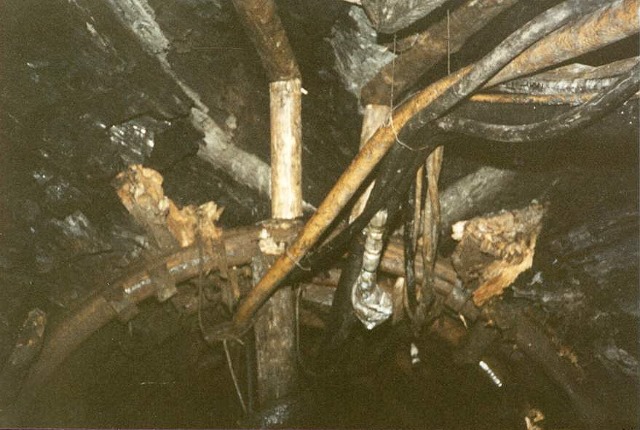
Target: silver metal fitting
(372, 304)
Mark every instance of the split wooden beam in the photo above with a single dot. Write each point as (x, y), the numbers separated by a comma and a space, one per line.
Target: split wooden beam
(274, 329)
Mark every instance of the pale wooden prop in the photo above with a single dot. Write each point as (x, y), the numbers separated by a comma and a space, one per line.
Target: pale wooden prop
(286, 169)
(275, 324)
(375, 116)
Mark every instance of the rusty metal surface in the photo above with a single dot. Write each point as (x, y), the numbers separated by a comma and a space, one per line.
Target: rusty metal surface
(64, 339)
(121, 296)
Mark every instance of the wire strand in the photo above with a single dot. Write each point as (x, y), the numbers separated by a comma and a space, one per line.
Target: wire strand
(233, 377)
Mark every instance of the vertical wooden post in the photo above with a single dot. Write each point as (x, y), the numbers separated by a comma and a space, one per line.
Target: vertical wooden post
(275, 325)
(374, 117)
(286, 136)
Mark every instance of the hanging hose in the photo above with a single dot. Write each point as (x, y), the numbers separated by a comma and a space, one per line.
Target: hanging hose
(579, 116)
(499, 57)
(395, 175)
(409, 225)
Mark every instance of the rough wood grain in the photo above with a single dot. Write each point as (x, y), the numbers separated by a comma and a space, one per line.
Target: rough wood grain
(286, 144)
(265, 30)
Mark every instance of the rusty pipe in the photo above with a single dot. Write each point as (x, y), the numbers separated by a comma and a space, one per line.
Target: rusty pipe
(97, 310)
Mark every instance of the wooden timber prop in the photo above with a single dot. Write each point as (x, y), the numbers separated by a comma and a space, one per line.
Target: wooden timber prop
(562, 32)
(275, 355)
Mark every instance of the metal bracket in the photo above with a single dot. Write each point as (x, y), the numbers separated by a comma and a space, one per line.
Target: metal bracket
(121, 303)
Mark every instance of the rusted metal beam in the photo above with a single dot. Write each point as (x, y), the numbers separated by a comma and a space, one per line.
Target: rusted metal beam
(265, 30)
(122, 295)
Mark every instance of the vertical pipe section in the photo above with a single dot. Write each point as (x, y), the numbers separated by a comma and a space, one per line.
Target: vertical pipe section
(371, 304)
(375, 116)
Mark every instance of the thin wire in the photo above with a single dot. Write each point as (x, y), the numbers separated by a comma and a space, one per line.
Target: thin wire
(201, 325)
(200, 281)
(296, 262)
(448, 44)
(233, 376)
(389, 122)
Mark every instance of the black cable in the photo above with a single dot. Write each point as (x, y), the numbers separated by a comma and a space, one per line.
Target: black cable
(590, 111)
(388, 193)
(499, 57)
(409, 248)
(397, 170)
(400, 156)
